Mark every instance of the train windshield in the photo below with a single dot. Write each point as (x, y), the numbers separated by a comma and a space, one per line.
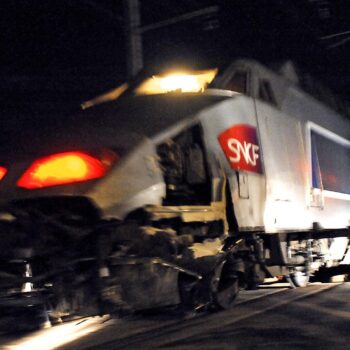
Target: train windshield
(177, 82)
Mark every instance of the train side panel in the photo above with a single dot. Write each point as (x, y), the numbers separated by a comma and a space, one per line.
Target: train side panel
(331, 209)
(286, 124)
(247, 187)
(286, 170)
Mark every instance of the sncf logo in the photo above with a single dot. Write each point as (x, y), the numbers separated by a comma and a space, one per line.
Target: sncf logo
(241, 147)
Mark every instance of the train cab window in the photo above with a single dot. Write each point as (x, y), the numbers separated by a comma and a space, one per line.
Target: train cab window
(266, 93)
(184, 166)
(330, 156)
(238, 82)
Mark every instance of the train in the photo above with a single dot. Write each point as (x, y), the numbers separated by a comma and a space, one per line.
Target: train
(176, 189)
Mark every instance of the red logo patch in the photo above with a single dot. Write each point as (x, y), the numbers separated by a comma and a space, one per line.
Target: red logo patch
(241, 147)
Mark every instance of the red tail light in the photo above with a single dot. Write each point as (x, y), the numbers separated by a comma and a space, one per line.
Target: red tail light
(63, 168)
(3, 172)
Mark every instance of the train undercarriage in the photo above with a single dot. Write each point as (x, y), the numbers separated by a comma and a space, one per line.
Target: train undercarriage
(70, 265)
(62, 263)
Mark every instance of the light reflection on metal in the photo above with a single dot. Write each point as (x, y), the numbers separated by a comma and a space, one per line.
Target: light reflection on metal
(57, 336)
(108, 96)
(177, 82)
(27, 287)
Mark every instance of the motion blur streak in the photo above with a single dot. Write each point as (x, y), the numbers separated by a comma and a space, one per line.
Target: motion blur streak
(57, 336)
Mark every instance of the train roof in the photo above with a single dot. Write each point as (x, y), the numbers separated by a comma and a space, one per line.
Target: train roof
(285, 74)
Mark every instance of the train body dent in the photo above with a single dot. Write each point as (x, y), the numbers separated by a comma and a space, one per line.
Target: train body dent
(207, 192)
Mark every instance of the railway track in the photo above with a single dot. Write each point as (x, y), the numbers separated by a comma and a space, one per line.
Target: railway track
(152, 331)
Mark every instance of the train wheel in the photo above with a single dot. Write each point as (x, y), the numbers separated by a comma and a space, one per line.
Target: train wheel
(300, 276)
(224, 287)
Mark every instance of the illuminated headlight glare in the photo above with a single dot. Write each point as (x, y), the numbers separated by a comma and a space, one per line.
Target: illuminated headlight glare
(63, 168)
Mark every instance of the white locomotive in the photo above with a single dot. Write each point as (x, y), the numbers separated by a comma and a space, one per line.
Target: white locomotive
(175, 189)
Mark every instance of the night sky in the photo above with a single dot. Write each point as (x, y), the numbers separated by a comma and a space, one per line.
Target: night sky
(58, 53)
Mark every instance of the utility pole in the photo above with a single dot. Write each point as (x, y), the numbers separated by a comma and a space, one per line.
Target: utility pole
(134, 31)
(134, 60)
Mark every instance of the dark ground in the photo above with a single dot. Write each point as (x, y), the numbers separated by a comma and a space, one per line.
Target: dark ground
(273, 317)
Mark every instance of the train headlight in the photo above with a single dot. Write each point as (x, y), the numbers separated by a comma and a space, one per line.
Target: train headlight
(177, 82)
(64, 168)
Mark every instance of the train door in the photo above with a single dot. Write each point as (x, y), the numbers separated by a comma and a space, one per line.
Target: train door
(285, 163)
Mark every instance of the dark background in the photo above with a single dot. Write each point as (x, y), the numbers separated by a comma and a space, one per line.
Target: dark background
(58, 53)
